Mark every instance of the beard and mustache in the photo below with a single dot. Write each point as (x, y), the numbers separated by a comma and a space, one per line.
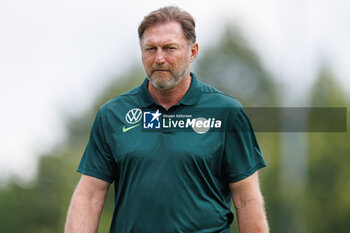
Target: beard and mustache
(164, 77)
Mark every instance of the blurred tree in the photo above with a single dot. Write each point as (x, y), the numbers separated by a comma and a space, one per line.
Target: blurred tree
(41, 206)
(234, 68)
(327, 206)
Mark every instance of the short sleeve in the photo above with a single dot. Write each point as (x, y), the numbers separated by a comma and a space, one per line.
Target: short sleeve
(242, 155)
(97, 160)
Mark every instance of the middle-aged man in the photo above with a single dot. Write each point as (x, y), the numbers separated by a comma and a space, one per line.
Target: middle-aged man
(178, 150)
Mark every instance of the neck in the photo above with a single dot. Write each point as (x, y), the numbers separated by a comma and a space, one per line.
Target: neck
(168, 98)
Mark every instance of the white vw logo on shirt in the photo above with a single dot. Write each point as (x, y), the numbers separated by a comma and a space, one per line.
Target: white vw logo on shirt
(133, 116)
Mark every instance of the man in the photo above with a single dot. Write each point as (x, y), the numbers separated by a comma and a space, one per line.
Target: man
(168, 178)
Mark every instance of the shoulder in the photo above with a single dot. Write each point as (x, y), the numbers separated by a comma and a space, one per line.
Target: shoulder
(217, 98)
(219, 102)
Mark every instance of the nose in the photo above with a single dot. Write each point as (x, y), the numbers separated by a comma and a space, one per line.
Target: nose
(159, 59)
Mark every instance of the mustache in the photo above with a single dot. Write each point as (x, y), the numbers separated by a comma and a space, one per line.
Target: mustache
(160, 68)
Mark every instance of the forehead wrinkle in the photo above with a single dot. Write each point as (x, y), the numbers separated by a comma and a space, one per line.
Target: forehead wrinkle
(161, 43)
(164, 34)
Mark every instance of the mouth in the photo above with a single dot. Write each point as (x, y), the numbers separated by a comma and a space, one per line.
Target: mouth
(160, 70)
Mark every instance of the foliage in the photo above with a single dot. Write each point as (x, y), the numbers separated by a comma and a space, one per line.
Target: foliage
(41, 206)
(327, 200)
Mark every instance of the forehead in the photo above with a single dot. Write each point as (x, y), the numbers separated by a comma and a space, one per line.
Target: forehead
(163, 33)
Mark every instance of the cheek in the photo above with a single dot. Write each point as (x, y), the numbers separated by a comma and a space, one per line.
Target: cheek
(146, 61)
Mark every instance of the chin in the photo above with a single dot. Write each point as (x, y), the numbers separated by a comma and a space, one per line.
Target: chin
(161, 81)
(161, 76)
(162, 85)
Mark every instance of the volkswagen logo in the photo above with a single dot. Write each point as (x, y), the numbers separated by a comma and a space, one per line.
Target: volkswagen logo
(133, 116)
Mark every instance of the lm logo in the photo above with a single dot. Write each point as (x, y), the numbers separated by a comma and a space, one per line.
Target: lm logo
(151, 120)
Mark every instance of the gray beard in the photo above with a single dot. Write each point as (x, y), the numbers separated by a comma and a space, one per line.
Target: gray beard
(172, 81)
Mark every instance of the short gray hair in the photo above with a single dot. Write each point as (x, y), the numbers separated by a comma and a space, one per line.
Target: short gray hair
(170, 14)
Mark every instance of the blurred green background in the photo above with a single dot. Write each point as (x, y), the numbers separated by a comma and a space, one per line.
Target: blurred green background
(306, 184)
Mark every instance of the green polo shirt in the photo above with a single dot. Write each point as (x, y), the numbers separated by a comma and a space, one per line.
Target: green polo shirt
(171, 169)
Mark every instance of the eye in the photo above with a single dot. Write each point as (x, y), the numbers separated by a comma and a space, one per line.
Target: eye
(170, 48)
(150, 49)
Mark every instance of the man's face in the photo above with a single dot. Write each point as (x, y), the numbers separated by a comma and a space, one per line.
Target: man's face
(166, 55)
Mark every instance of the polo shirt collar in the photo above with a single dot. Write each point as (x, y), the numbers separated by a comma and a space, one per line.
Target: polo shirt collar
(191, 97)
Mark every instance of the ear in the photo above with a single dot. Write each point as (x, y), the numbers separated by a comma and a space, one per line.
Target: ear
(194, 51)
